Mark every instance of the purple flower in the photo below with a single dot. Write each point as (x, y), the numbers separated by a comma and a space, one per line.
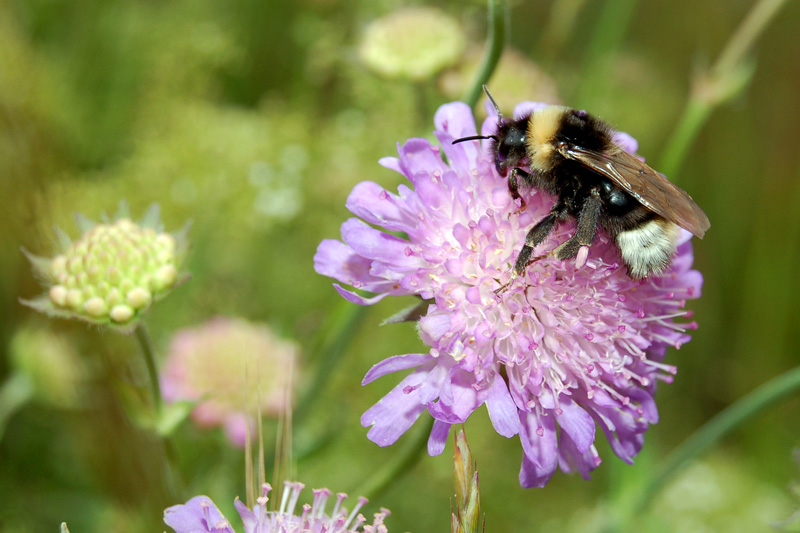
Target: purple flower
(563, 347)
(200, 515)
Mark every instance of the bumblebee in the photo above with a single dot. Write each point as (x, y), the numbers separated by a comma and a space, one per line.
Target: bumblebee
(572, 155)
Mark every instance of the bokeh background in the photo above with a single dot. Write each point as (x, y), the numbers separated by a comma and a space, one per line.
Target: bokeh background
(255, 119)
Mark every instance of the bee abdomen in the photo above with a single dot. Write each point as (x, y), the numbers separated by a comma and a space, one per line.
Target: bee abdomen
(648, 248)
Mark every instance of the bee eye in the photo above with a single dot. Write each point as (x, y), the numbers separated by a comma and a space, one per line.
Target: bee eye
(503, 149)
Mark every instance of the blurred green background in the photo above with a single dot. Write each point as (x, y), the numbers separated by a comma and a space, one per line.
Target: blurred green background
(255, 119)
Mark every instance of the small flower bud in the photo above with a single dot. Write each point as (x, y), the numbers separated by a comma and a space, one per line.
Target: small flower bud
(139, 297)
(96, 306)
(58, 265)
(165, 277)
(121, 313)
(58, 294)
(74, 298)
(113, 297)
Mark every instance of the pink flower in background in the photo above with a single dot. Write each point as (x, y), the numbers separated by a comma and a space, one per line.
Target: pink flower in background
(562, 352)
(200, 514)
(231, 367)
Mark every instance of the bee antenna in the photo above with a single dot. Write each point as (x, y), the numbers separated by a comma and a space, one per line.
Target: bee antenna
(496, 107)
(474, 138)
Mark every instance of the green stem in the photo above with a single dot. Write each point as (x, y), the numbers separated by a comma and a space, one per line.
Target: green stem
(380, 481)
(721, 82)
(747, 33)
(610, 30)
(170, 457)
(694, 117)
(146, 344)
(344, 324)
(715, 429)
(495, 41)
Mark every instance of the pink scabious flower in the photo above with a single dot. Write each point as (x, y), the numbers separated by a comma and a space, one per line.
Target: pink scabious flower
(201, 515)
(563, 351)
(232, 368)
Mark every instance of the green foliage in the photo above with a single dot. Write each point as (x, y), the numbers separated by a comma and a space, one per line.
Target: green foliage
(255, 119)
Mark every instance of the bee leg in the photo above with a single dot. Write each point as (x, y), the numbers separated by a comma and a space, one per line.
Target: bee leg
(513, 185)
(578, 244)
(535, 236)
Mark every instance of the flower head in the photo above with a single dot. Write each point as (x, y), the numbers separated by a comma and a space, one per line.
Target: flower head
(563, 351)
(113, 273)
(201, 515)
(412, 43)
(231, 367)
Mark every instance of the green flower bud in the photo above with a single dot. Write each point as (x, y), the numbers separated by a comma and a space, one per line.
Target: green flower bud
(113, 272)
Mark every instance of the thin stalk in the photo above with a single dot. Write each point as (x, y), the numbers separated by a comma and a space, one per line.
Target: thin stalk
(402, 464)
(746, 34)
(691, 122)
(146, 344)
(495, 41)
(169, 459)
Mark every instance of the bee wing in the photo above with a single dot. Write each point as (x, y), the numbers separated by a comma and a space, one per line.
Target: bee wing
(651, 189)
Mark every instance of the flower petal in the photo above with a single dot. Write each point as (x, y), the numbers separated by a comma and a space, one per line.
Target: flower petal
(373, 244)
(198, 515)
(418, 158)
(395, 364)
(376, 205)
(351, 296)
(395, 412)
(577, 423)
(458, 398)
(538, 437)
(502, 411)
(337, 260)
(570, 459)
(438, 437)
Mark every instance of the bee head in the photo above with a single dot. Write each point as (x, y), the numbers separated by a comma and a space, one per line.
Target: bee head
(509, 145)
